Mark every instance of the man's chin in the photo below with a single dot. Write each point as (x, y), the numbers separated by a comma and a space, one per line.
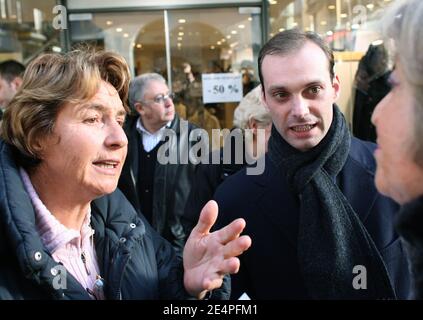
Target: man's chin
(169, 118)
(304, 144)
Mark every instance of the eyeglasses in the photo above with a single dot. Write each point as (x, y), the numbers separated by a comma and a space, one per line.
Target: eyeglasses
(161, 98)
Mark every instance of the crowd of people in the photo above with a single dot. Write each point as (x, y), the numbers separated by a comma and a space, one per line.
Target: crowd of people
(89, 210)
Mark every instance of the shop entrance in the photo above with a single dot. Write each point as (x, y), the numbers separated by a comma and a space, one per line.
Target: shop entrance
(182, 45)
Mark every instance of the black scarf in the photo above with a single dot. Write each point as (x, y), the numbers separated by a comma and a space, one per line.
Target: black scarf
(331, 238)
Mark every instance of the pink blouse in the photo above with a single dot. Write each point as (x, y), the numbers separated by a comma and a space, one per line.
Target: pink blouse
(73, 248)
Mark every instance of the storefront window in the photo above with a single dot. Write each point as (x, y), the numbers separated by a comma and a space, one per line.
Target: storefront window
(201, 41)
(213, 41)
(26, 29)
(138, 36)
(349, 26)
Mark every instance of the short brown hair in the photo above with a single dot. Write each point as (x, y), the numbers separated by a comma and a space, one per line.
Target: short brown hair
(291, 40)
(50, 82)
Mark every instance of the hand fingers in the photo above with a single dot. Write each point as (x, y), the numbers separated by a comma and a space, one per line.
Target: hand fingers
(235, 247)
(214, 280)
(229, 266)
(207, 218)
(231, 231)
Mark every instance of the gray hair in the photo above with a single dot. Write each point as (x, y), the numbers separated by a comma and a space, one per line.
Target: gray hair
(251, 107)
(139, 85)
(402, 24)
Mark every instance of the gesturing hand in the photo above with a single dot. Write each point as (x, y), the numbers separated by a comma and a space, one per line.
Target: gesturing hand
(209, 256)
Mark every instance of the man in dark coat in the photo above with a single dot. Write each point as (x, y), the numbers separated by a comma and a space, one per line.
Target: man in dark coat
(156, 188)
(314, 213)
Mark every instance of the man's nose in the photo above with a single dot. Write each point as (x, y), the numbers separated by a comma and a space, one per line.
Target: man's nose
(299, 107)
(168, 101)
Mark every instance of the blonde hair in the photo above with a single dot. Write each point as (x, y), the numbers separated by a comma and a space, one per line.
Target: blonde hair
(402, 25)
(251, 107)
(50, 82)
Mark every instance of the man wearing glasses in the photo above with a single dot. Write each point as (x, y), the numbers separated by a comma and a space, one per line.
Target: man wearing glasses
(158, 190)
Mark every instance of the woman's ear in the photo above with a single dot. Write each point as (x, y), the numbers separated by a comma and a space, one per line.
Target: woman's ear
(252, 125)
(39, 146)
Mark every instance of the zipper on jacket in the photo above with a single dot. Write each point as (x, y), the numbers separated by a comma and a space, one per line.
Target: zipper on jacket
(118, 293)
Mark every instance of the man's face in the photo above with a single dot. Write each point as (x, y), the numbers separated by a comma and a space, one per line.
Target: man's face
(156, 112)
(299, 94)
(7, 91)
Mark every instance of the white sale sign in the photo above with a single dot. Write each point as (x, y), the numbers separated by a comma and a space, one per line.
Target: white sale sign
(221, 87)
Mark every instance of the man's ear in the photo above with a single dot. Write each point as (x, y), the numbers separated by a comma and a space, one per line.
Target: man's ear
(336, 87)
(16, 83)
(139, 107)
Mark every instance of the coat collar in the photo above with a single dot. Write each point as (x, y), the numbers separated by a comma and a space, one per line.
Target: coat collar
(359, 191)
(17, 213)
(112, 219)
(135, 141)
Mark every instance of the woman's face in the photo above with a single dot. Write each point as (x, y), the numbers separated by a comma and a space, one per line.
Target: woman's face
(397, 175)
(88, 146)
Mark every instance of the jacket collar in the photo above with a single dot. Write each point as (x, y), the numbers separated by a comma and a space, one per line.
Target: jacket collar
(272, 185)
(135, 140)
(17, 216)
(17, 213)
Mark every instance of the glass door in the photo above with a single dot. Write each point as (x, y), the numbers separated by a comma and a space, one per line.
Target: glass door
(187, 43)
(138, 36)
(204, 41)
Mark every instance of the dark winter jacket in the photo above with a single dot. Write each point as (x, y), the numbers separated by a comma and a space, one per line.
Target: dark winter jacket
(270, 268)
(410, 227)
(134, 260)
(172, 184)
(208, 176)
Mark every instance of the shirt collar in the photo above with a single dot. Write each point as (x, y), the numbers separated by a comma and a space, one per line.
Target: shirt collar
(142, 129)
(53, 233)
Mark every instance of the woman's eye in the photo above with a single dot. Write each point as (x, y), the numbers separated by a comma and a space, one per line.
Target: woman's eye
(91, 120)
